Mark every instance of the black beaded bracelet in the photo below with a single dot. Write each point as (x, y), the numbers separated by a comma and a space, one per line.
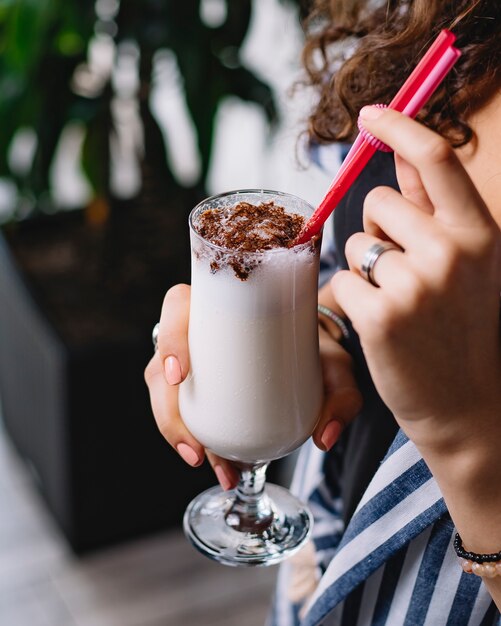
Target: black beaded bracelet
(473, 556)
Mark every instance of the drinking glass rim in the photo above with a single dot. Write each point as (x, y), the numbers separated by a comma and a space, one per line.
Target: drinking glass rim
(237, 192)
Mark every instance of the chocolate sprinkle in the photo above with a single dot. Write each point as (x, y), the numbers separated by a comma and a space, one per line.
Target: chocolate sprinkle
(246, 228)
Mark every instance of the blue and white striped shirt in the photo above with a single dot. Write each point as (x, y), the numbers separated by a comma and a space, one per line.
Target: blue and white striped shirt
(394, 563)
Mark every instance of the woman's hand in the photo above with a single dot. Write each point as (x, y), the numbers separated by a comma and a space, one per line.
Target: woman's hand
(166, 370)
(430, 332)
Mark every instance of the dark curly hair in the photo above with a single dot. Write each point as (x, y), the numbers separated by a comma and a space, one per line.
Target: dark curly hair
(360, 52)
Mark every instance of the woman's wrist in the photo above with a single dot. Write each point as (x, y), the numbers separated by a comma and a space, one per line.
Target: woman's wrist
(468, 426)
(469, 482)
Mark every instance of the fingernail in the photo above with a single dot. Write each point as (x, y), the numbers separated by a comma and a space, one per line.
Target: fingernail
(223, 478)
(371, 113)
(331, 434)
(172, 370)
(187, 453)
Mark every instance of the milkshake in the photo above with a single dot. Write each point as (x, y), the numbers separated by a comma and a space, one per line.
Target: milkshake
(254, 389)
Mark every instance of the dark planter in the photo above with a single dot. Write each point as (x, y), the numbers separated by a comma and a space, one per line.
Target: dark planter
(77, 410)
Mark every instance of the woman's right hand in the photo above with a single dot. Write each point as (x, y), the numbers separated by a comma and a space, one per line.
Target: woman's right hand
(163, 374)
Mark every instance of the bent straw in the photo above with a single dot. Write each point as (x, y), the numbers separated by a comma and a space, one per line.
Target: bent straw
(412, 96)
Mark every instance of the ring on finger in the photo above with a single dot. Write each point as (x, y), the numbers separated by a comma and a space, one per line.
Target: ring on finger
(154, 336)
(371, 257)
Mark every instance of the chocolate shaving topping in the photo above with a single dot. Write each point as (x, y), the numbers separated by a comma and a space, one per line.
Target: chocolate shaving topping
(249, 227)
(246, 227)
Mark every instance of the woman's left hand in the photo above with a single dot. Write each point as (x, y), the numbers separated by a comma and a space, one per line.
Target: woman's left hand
(430, 331)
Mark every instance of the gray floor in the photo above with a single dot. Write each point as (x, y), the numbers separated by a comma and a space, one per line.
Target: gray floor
(157, 581)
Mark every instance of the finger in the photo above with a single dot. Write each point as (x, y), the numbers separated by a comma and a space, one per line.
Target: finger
(226, 472)
(325, 298)
(411, 186)
(391, 267)
(387, 215)
(173, 334)
(359, 299)
(449, 188)
(164, 403)
(343, 399)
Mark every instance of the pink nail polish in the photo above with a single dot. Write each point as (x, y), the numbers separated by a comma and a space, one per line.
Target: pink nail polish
(223, 479)
(371, 113)
(187, 453)
(172, 370)
(331, 434)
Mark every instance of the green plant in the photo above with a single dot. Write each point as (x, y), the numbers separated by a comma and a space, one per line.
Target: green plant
(44, 43)
(41, 42)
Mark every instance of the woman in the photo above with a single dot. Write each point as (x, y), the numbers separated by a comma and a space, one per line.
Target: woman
(421, 388)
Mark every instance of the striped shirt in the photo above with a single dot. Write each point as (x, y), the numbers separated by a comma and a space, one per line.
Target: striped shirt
(394, 564)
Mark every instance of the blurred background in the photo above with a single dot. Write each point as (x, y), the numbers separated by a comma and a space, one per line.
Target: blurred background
(116, 117)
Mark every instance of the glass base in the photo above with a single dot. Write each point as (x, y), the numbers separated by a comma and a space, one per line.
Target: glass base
(210, 526)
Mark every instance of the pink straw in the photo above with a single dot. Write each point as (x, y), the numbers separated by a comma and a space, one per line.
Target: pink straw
(410, 99)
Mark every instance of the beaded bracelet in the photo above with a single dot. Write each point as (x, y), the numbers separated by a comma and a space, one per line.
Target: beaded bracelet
(485, 565)
(334, 317)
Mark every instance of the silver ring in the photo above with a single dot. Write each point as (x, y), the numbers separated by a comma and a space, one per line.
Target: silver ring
(370, 258)
(154, 335)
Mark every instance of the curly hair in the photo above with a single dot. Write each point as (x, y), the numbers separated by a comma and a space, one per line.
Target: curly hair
(360, 52)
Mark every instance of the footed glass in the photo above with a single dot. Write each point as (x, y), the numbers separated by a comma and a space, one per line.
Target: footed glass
(254, 390)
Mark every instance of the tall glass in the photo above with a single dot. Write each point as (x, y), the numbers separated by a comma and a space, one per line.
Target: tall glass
(254, 390)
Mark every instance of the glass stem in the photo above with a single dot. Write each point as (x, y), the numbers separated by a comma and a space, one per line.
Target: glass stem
(251, 510)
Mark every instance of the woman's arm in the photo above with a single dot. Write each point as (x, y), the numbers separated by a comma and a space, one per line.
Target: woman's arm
(430, 329)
